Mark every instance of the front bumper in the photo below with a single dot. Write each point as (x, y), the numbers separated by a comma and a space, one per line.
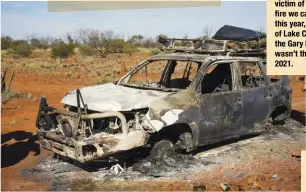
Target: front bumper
(84, 149)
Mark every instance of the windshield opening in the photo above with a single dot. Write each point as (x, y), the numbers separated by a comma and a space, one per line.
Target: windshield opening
(163, 74)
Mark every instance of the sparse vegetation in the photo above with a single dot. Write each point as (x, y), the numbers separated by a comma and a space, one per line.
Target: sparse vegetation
(40, 41)
(22, 48)
(89, 42)
(85, 54)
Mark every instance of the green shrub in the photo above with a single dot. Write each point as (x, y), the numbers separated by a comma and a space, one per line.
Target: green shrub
(62, 49)
(130, 48)
(86, 50)
(6, 42)
(35, 42)
(155, 51)
(21, 48)
(115, 46)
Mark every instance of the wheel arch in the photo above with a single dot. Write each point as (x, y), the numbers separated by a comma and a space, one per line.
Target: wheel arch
(174, 131)
(280, 113)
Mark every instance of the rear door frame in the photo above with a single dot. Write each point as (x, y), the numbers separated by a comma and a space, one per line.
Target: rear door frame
(257, 101)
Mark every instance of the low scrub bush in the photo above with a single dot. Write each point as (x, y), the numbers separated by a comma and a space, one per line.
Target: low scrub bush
(86, 50)
(62, 49)
(6, 42)
(22, 48)
(155, 51)
(130, 48)
(115, 46)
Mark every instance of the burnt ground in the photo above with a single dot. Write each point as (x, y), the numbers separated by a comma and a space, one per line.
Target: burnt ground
(187, 169)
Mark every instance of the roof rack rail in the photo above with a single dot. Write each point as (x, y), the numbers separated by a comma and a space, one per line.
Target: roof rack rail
(210, 46)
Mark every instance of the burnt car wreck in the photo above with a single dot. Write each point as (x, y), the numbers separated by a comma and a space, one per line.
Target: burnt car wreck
(210, 91)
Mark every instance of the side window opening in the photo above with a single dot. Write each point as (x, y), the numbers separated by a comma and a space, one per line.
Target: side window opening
(149, 74)
(251, 75)
(166, 74)
(218, 78)
(182, 74)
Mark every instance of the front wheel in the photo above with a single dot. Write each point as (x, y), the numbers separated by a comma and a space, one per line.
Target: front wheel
(162, 148)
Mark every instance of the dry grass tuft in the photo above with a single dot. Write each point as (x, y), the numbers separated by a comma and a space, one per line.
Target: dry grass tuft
(7, 95)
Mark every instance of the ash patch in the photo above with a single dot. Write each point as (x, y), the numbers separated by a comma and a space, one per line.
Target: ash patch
(58, 166)
(31, 173)
(288, 130)
(164, 161)
(60, 182)
(168, 165)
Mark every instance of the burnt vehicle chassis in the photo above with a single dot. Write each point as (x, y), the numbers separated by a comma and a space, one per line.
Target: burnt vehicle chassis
(200, 119)
(225, 103)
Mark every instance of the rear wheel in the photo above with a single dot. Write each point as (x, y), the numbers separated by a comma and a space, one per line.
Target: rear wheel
(280, 114)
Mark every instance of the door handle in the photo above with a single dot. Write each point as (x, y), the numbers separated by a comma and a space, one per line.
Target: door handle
(269, 96)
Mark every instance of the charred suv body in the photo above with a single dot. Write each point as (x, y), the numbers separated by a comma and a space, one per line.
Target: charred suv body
(207, 92)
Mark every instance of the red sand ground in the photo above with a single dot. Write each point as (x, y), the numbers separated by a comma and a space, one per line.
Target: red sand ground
(20, 114)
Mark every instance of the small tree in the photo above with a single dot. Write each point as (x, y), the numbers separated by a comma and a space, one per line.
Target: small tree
(116, 46)
(207, 32)
(6, 42)
(55, 42)
(22, 48)
(261, 30)
(148, 42)
(45, 42)
(101, 42)
(40, 41)
(133, 39)
(62, 49)
(160, 36)
(35, 42)
(129, 48)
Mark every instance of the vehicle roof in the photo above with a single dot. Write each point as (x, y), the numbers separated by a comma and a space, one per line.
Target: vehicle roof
(198, 57)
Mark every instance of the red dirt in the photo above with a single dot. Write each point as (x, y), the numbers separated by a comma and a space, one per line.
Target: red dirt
(18, 118)
(261, 173)
(18, 122)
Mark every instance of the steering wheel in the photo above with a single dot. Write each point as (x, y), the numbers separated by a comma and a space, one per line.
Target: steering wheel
(221, 88)
(218, 89)
(250, 81)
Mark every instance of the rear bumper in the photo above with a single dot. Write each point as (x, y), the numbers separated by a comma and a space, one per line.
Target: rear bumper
(85, 149)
